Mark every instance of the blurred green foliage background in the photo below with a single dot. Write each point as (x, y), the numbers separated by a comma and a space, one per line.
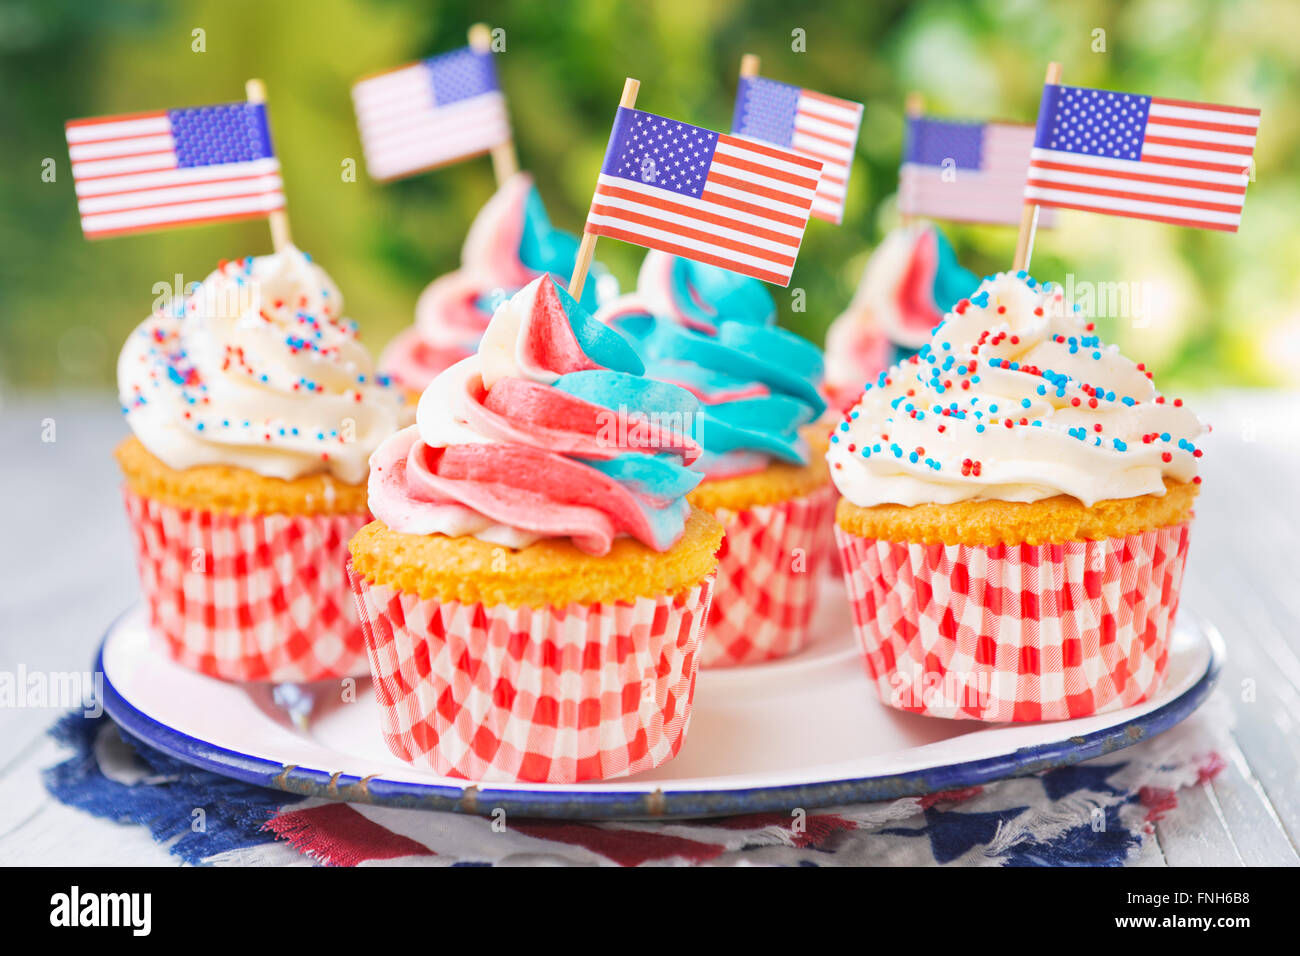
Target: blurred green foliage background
(1232, 306)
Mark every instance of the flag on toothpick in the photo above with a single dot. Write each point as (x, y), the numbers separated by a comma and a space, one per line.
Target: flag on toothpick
(702, 195)
(431, 113)
(814, 124)
(1142, 156)
(965, 171)
(144, 171)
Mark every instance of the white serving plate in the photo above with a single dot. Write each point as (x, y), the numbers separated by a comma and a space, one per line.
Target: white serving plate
(808, 731)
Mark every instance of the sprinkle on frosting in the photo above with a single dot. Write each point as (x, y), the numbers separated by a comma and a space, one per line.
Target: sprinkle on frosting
(257, 368)
(1015, 398)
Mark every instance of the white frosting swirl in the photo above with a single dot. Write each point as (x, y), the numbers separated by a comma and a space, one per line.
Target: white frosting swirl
(1085, 421)
(257, 369)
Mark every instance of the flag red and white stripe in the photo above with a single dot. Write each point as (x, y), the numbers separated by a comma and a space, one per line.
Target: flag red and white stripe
(429, 114)
(990, 190)
(728, 201)
(128, 177)
(826, 128)
(1192, 169)
(814, 124)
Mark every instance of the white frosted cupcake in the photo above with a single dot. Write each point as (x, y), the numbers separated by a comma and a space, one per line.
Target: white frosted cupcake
(254, 409)
(1015, 514)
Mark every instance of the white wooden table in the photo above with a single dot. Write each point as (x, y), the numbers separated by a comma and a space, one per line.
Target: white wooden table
(67, 571)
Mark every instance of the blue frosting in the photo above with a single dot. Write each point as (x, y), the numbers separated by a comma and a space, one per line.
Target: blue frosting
(660, 479)
(952, 282)
(543, 248)
(708, 295)
(747, 353)
(597, 340)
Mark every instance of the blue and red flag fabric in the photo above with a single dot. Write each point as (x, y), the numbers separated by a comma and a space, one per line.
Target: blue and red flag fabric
(1126, 154)
(431, 113)
(706, 196)
(143, 171)
(814, 124)
(1048, 819)
(966, 171)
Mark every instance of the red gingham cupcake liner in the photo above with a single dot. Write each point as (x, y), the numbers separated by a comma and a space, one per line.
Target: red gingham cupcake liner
(543, 695)
(1016, 632)
(767, 579)
(249, 597)
(829, 547)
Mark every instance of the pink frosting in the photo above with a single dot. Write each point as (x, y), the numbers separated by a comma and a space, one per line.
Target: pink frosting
(543, 433)
(893, 303)
(412, 361)
(448, 321)
(531, 429)
(517, 410)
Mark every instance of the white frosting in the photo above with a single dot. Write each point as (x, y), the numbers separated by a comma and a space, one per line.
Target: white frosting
(1058, 448)
(441, 421)
(257, 369)
(440, 416)
(501, 351)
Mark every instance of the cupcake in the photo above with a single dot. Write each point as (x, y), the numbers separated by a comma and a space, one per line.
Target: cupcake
(510, 243)
(714, 333)
(534, 587)
(1014, 525)
(253, 408)
(910, 281)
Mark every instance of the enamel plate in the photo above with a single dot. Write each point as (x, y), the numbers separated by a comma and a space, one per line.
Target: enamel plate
(806, 732)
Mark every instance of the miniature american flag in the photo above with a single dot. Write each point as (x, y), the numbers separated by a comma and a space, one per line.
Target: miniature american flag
(823, 127)
(965, 171)
(430, 113)
(1141, 156)
(143, 171)
(703, 195)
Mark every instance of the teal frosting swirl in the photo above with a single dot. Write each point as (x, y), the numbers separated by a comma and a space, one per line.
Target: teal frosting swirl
(714, 333)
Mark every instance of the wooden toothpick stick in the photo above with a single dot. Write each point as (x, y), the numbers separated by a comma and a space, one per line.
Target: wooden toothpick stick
(913, 107)
(749, 64)
(588, 247)
(504, 161)
(255, 90)
(1029, 217)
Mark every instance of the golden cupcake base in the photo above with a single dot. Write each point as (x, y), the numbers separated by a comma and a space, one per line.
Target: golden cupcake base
(549, 572)
(1050, 521)
(228, 490)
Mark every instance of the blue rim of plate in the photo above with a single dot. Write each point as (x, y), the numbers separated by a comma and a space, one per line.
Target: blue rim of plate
(638, 805)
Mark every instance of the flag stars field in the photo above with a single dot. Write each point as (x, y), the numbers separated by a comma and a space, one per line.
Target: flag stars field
(824, 128)
(726, 201)
(1145, 157)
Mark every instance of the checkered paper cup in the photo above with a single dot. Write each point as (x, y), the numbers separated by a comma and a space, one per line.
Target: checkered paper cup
(1016, 632)
(249, 597)
(542, 695)
(828, 546)
(767, 579)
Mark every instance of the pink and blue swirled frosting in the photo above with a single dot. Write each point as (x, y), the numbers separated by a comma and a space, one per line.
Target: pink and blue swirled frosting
(714, 333)
(910, 281)
(510, 243)
(550, 430)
